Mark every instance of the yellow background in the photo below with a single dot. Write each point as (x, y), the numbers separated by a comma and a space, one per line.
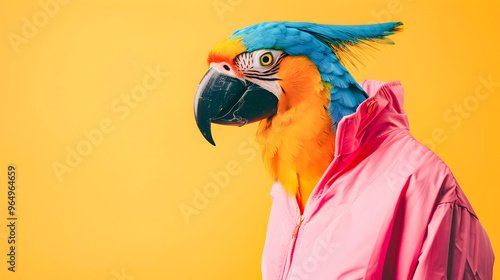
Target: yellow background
(116, 215)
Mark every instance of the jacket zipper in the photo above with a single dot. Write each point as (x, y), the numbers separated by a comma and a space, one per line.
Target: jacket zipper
(288, 260)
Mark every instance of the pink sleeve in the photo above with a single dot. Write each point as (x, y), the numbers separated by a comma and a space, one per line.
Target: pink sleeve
(456, 246)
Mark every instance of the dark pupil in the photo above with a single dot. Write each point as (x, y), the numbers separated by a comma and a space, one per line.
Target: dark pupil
(227, 67)
(265, 59)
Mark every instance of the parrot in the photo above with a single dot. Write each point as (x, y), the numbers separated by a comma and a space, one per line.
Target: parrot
(291, 77)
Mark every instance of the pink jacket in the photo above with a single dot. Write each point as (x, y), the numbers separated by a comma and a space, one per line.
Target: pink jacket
(386, 208)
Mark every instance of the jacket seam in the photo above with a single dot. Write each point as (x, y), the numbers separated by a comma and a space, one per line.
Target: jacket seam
(378, 137)
(455, 203)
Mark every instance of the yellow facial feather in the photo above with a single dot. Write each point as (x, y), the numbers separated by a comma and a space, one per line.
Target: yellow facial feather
(226, 51)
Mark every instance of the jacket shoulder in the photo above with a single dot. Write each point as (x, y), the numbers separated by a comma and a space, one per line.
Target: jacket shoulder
(431, 173)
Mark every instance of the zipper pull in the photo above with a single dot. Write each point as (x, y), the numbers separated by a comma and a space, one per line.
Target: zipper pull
(296, 230)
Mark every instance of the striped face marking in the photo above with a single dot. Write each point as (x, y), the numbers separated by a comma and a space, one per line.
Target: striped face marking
(262, 67)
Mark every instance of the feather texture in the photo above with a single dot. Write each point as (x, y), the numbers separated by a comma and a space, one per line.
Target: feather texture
(327, 46)
(298, 143)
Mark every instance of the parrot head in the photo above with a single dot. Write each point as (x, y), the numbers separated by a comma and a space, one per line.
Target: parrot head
(239, 88)
(248, 75)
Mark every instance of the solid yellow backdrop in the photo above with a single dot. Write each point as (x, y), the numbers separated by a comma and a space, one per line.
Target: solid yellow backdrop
(96, 116)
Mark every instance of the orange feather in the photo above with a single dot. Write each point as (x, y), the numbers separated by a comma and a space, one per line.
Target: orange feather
(226, 51)
(297, 143)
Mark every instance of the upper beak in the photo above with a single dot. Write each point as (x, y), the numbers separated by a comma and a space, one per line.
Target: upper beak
(226, 100)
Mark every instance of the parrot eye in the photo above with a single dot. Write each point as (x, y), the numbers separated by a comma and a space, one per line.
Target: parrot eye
(266, 59)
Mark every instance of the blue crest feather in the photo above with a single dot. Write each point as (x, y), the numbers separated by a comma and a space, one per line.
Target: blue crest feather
(328, 47)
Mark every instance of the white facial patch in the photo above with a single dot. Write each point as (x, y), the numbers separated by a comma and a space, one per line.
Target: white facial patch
(261, 67)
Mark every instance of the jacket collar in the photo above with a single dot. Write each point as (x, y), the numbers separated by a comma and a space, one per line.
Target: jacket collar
(378, 115)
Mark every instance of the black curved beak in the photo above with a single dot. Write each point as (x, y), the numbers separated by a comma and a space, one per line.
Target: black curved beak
(226, 100)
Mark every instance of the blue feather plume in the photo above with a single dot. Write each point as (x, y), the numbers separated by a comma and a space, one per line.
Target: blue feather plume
(328, 47)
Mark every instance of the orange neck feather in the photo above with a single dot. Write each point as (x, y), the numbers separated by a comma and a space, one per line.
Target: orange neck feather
(297, 143)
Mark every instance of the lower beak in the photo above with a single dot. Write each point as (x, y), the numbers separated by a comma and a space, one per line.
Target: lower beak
(226, 100)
